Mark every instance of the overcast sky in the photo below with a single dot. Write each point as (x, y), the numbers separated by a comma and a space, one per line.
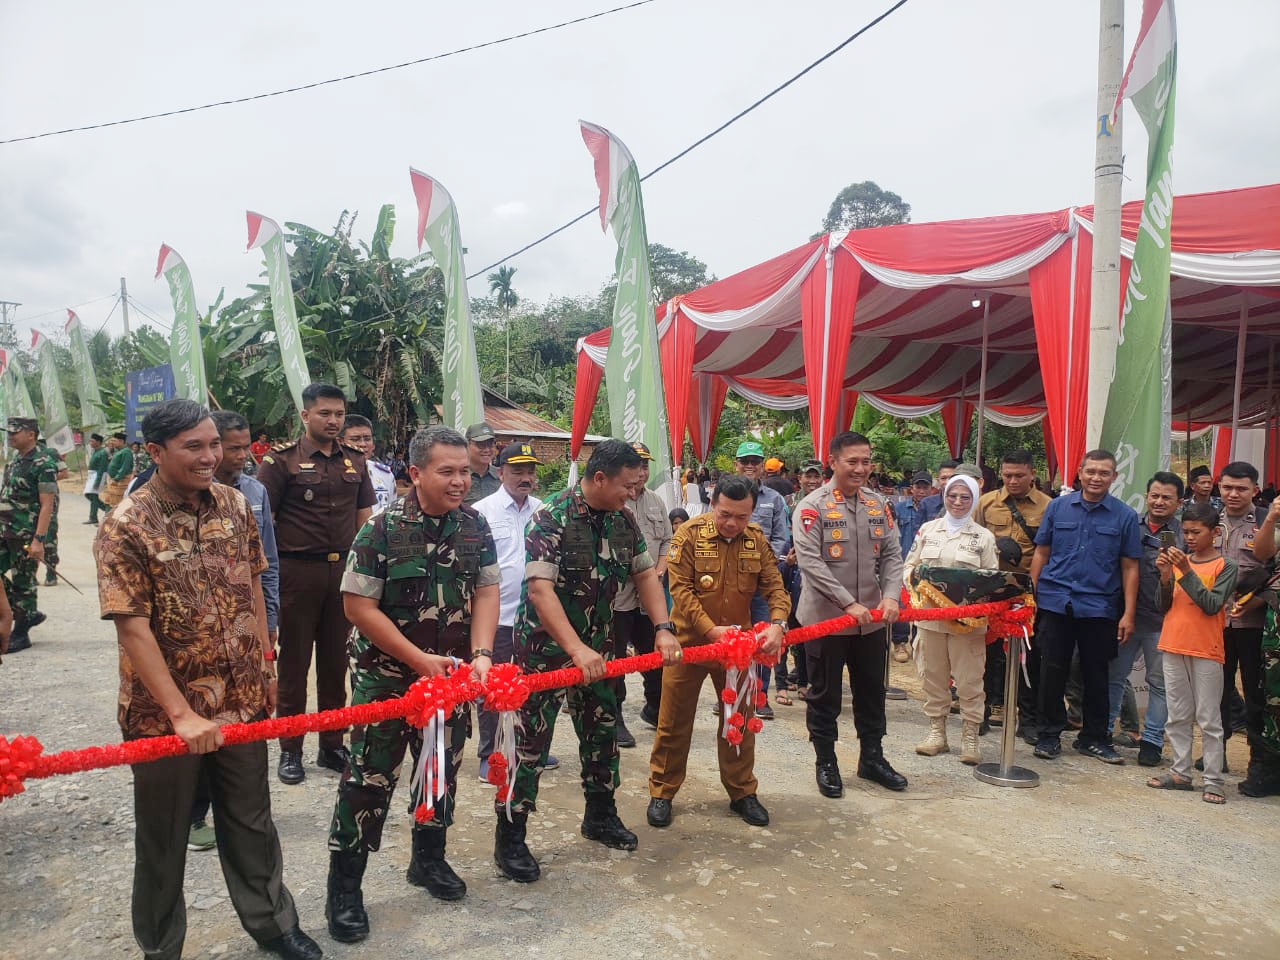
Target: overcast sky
(964, 108)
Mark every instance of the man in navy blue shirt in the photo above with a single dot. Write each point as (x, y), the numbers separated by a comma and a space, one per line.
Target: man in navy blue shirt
(1085, 570)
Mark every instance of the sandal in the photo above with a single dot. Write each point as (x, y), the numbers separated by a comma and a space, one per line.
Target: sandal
(1214, 794)
(782, 699)
(1167, 781)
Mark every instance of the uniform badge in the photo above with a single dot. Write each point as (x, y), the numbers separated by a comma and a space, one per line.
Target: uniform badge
(706, 581)
(267, 459)
(807, 518)
(873, 512)
(835, 551)
(309, 495)
(749, 544)
(837, 496)
(837, 534)
(877, 531)
(834, 514)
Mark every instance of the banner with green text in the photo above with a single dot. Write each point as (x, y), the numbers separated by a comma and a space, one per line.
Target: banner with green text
(265, 233)
(17, 396)
(56, 426)
(438, 225)
(91, 413)
(1137, 420)
(632, 371)
(186, 351)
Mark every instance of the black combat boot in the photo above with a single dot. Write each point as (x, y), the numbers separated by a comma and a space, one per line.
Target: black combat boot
(830, 784)
(874, 767)
(428, 867)
(1263, 776)
(601, 823)
(344, 908)
(509, 851)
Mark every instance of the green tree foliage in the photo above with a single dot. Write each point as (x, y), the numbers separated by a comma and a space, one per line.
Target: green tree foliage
(865, 204)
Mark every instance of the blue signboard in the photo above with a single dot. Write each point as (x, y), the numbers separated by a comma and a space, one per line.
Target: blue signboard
(143, 389)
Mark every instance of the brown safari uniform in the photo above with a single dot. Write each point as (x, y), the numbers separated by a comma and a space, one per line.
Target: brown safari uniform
(712, 583)
(314, 500)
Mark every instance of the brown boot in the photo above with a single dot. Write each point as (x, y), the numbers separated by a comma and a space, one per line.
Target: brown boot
(969, 751)
(936, 742)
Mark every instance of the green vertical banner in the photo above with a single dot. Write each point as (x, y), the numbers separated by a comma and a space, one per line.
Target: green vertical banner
(438, 226)
(91, 412)
(16, 392)
(265, 233)
(632, 370)
(56, 426)
(1137, 420)
(4, 397)
(186, 351)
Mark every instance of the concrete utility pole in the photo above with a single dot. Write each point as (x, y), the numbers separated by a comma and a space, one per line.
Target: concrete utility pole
(1108, 176)
(124, 305)
(8, 314)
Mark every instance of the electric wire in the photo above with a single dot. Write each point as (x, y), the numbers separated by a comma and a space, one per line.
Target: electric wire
(324, 83)
(699, 142)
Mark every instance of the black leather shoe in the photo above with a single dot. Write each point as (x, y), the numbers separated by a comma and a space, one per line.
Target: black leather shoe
(876, 768)
(659, 813)
(428, 867)
(1048, 748)
(649, 715)
(290, 769)
(830, 783)
(37, 618)
(602, 824)
(625, 737)
(509, 851)
(333, 758)
(295, 945)
(1148, 754)
(344, 904)
(19, 641)
(751, 810)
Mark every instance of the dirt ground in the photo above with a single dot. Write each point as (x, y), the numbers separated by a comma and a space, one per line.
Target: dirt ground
(1091, 864)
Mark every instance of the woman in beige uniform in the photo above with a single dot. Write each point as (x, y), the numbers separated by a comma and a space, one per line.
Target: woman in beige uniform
(953, 540)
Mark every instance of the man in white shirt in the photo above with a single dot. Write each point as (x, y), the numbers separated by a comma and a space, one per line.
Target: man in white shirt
(357, 431)
(507, 512)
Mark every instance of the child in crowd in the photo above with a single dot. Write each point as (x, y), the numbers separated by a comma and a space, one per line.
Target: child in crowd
(1194, 588)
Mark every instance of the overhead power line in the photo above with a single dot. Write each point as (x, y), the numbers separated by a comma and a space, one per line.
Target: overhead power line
(699, 142)
(324, 83)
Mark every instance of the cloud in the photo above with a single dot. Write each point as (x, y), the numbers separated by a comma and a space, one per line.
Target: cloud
(511, 210)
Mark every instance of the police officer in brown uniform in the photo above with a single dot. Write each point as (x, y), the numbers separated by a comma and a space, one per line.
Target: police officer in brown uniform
(717, 564)
(320, 496)
(851, 559)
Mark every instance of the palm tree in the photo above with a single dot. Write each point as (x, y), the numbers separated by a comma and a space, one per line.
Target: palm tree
(500, 286)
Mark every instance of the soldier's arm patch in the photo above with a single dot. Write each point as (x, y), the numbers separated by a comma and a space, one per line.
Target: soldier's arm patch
(489, 575)
(641, 562)
(808, 517)
(362, 585)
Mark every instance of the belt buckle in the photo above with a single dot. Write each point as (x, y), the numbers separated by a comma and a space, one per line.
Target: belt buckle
(334, 557)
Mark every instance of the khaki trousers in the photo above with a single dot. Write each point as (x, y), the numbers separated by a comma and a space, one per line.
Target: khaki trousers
(941, 657)
(681, 686)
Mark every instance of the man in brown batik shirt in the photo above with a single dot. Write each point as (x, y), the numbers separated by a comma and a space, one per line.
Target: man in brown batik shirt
(178, 572)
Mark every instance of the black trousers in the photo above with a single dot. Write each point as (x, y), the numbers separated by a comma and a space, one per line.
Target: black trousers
(1060, 635)
(311, 620)
(634, 627)
(1243, 648)
(864, 658)
(248, 845)
(993, 676)
(504, 651)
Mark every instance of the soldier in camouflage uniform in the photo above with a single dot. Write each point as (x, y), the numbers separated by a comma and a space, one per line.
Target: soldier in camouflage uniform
(51, 542)
(422, 589)
(1263, 777)
(26, 510)
(580, 548)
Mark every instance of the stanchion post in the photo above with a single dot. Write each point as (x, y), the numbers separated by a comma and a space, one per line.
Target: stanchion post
(1005, 773)
(890, 692)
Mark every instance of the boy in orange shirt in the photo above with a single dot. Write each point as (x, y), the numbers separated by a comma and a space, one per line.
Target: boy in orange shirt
(1194, 588)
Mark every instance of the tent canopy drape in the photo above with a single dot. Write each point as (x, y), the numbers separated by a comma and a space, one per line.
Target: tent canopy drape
(887, 313)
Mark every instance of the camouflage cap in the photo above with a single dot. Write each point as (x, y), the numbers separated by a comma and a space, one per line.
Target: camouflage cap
(22, 423)
(811, 466)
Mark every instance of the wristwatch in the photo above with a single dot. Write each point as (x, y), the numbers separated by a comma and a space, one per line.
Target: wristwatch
(780, 623)
(667, 626)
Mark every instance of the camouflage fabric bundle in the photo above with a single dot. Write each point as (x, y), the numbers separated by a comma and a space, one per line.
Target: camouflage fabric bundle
(933, 587)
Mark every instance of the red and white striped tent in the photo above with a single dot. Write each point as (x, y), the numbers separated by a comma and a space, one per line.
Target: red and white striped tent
(889, 314)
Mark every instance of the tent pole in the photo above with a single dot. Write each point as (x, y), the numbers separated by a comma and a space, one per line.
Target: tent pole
(982, 376)
(1108, 177)
(1241, 336)
(1269, 443)
(1188, 441)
